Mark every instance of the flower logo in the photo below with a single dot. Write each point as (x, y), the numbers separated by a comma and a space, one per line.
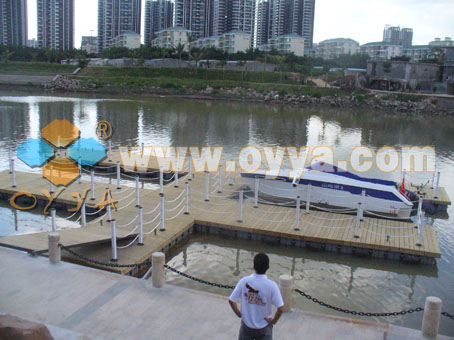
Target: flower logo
(60, 149)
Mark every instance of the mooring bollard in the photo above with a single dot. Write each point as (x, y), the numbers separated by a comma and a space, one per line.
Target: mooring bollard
(140, 226)
(54, 247)
(83, 214)
(256, 192)
(358, 219)
(240, 202)
(118, 176)
(158, 274)
(13, 174)
(298, 206)
(190, 169)
(436, 186)
(220, 179)
(137, 192)
(431, 318)
(163, 226)
(109, 212)
(207, 186)
(113, 229)
(53, 219)
(286, 288)
(308, 198)
(161, 181)
(109, 149)
(80, 173)
(186, 198)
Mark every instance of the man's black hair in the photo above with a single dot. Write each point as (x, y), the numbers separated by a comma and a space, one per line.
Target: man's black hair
(261, 263)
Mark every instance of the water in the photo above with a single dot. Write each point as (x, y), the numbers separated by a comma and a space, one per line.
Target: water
(350, 282)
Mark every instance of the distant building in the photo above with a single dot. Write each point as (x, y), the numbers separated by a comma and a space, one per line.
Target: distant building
(193, 15)
(381, 50)
(288, 43)
(171, 37)
(397, 36)
(13, 22)
(208, 42)
(417, 53)
(234, 41)
(333, 48)
(32, 43)
(129, 40)
(89, 44)
(158, 16)
(263, 25)
(437, 42)
(116, 17)
(55, 24)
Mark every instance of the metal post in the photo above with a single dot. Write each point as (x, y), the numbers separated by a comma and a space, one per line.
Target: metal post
(190, 169)
(433, 180)
(240, 201)
(83, 214)
(137, 192)
(109, 212)
(118, 176)
(176, 179)
(256, 192)
(220, 179)
(80, 174)
(420, 222)
(53, 217)
(298, 205)
(10, 157)
(51, 187)
(109, 143)
(308, 198)
(143, 148)
(363, 201)
(161, 181)
(92, 185)
(140, 226)
(13, 174)
(207, 186)
(114, 240)
(163, 226)
(186, 198)
(358, 219)
(230, 179)
(436, 186)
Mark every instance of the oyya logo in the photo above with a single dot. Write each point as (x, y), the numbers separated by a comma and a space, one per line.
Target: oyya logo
(58, 152)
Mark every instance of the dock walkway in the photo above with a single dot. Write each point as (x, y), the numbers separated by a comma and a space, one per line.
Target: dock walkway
(108, 306)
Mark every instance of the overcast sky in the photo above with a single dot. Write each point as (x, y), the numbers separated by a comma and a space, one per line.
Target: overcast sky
(361, 20)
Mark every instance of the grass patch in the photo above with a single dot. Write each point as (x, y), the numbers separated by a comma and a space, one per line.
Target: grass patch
(35, 68)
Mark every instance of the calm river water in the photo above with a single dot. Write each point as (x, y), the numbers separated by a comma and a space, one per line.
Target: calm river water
(363, 284)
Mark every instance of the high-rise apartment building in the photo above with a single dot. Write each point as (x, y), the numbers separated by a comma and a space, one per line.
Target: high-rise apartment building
(13, 22)
(158, 16)
(193, 15)
(116, 17)
(263, 25)
(55, 24)
(396, 35)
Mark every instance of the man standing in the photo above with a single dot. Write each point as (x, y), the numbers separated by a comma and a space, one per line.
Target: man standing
(257, 293)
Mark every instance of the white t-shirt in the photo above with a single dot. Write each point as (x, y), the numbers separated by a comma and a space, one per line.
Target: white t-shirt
(256, 293)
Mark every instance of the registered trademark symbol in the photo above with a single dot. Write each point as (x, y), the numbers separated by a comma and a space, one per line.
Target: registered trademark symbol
(103, 130)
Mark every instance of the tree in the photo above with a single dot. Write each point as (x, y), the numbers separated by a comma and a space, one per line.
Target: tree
(6, 56)
(223, 63)
(179, 50)
(196, 55)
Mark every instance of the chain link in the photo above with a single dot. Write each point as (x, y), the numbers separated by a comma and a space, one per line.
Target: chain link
(105, 264)
(198, 280)
(451, 316)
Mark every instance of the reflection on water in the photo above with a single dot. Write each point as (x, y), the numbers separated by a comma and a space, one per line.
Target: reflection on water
(366, 284)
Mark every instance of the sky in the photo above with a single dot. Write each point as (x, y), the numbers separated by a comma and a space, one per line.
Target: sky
(361, 20)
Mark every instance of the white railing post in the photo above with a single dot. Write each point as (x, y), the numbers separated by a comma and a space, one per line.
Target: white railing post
(53, 219)
(419, 217)
(220, 179)
(114, 240)
(186, 198)
(308, 198)
(163, 226)
(10, 158)
(92, 185)
(161, 181)
(176, 182)
(298, 206)
(109, 212)
(256, 192)
(240, 201)
(437, 184)
(190, 169)
(141, 153)
(118, 176)
(51, 187)
(140, 226)
(137, 192)
(363, 201)
(83, 214)
(431, 318)
(433, 180)
(13, 174)
(109, 149)
(230, 179)
(80, 173)
(207, 186)
(358, 219)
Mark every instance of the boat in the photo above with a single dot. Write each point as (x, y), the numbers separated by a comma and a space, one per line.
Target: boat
(333, 189)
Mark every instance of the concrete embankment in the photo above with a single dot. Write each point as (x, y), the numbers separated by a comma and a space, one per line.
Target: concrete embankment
(14, 79)
(110, 306)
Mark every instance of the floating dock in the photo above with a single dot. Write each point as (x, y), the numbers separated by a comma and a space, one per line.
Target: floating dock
(384, 238)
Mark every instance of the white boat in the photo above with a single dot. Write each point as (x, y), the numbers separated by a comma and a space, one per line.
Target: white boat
(337, 189)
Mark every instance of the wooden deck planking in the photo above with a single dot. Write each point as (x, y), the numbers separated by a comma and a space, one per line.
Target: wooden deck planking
(219, 212)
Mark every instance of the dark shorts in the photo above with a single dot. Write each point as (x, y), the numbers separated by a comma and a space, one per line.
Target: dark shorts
(247, 333)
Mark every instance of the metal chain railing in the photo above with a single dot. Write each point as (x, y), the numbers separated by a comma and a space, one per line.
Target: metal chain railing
(208, 283)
